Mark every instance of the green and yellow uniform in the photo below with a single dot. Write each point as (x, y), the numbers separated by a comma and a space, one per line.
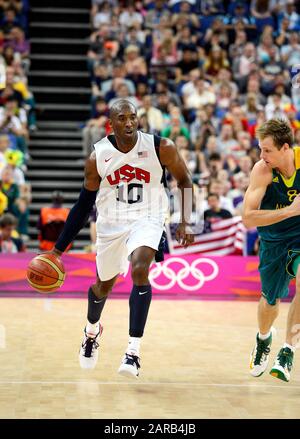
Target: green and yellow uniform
(280, 242)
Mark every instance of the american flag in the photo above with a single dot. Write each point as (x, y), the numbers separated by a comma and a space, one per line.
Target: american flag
(142, 154)
(227, 237)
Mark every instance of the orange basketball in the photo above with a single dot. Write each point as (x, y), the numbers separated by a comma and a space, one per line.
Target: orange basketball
(46, 273)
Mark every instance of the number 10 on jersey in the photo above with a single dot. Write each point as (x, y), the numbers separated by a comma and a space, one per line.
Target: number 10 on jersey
(131, 193)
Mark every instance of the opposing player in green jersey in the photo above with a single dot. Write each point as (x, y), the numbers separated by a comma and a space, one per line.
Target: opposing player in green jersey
(272, 204)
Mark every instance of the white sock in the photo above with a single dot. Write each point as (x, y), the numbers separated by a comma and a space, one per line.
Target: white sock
(92, 328)
(292, 348)
(134, 346)
(264, 336)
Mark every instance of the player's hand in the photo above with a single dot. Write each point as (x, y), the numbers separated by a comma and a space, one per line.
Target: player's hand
(294, 208)
(184, 235)
(54, 251)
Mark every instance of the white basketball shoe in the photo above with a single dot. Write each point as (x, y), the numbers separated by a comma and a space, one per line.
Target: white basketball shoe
(259, 357)
(130, 366)
(88, 354)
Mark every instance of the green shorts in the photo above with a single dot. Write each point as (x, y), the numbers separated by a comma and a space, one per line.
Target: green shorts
(275, 268)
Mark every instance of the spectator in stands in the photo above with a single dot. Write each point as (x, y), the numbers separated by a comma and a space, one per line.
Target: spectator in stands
(215, 35)
(9, 240)
(226, 140)
(21, 211)
(186, 39)
(164, 51)
(11, 124)
(239, 14)
(51, 222)
(135, 37)
(134, 62)
(190, 157)
(203, 95)
(186, 15)
(216, 61)
(225, 77)
(265, 47)
(4, 146)
(13, 159)
(96, 128)
(211, 147)
(290, 12)
(275, 107)
(19, 84)
(20, 46)
(236, 49)
(154, 115)
(103, 15)
(237, 193)
(245, 165)
(154, 16)
(188, 62)
(9, 21)
(212, 7)
(123, 92)
(9, 188)
(130, 16)
(290, 53)
(242, 65)
(215, 212)
(176, 126)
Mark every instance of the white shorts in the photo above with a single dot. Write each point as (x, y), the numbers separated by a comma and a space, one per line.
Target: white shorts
(116, 242)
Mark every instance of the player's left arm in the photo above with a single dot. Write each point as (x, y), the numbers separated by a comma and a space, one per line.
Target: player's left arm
(80, 212)
(171, 159)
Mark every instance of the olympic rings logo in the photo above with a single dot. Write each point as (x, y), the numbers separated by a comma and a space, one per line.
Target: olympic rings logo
(186, 271)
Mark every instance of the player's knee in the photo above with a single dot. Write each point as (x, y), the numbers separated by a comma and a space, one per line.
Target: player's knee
(271, 304)
(101, 289)
(139, 272)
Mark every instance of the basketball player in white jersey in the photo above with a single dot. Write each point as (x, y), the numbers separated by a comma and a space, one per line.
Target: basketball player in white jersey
(124, 174)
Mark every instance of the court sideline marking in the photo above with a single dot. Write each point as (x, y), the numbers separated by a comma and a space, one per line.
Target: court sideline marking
(111, 383)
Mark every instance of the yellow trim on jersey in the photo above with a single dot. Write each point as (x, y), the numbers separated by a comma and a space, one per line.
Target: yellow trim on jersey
(289, 181)
(297, 157)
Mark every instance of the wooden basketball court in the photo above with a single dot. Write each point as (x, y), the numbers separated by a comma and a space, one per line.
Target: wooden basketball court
(195, 358)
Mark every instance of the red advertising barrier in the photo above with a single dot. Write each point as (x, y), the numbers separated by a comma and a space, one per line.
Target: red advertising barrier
(193, 276)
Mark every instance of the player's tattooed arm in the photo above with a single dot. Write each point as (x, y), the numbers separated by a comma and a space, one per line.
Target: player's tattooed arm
(91, 177)
(175, 164)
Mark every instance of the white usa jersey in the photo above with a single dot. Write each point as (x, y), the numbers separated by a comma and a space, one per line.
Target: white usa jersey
(131, 183)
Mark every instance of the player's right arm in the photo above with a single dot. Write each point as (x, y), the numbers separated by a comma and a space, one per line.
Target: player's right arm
(261, 176)
(79, 213)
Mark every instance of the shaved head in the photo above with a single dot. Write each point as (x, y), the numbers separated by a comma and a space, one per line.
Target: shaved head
(120, 106)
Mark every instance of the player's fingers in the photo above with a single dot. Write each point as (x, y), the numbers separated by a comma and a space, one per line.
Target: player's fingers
(178, 236)
(188, 240)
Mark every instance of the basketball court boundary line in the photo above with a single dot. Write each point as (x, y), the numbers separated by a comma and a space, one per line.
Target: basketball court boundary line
(155, 383)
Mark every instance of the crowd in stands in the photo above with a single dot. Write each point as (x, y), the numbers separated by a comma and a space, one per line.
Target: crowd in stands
(203, 73)
(17, 120)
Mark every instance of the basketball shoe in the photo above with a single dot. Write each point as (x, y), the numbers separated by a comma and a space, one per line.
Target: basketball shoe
(260, 355)
(130, 366)
(283, 364)
(88, 354)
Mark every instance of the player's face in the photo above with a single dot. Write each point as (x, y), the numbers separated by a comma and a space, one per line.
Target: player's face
(270, 154)
(125, 124)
